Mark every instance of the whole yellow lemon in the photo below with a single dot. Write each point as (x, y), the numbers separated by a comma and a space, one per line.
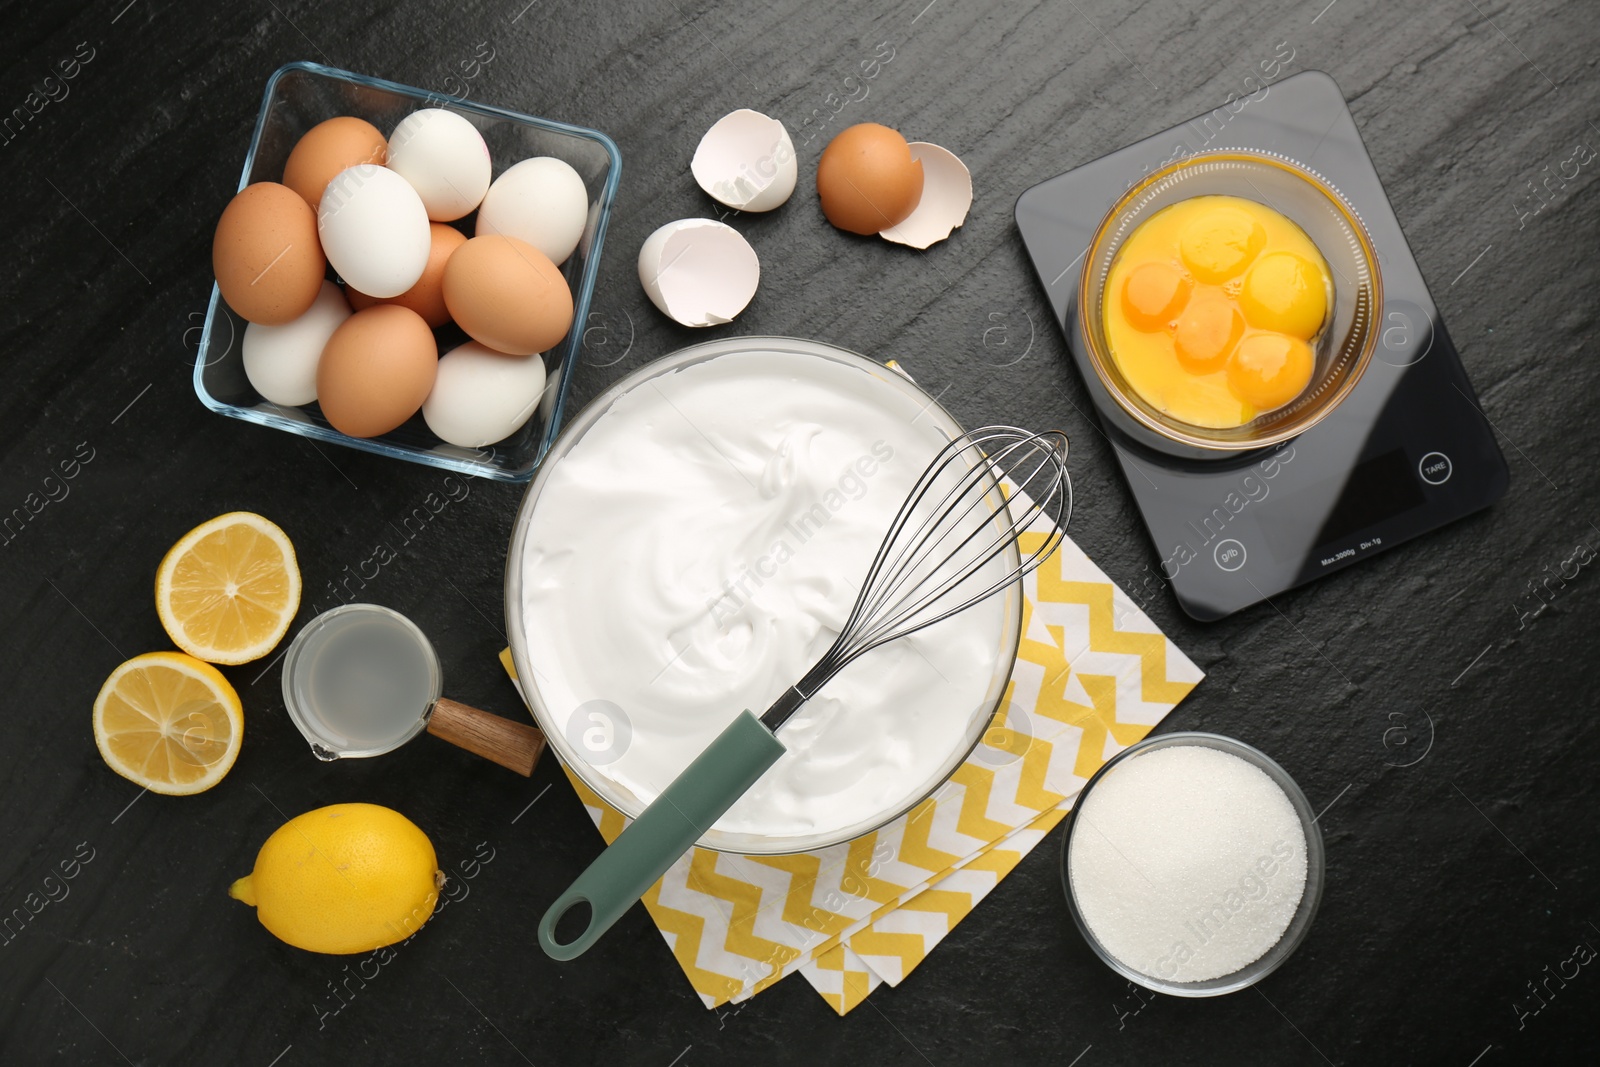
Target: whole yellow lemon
(343, 879)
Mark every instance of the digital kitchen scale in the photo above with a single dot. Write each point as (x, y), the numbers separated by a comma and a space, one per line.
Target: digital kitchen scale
(1407, 451)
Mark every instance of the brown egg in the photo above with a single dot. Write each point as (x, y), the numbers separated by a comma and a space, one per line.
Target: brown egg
(507, 295)
(426, 298)
(328, 148)
(376, 370)
(867, 180)
(266, 256)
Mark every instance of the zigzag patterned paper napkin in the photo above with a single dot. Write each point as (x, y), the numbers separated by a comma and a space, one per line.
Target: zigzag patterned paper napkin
(1093, 675)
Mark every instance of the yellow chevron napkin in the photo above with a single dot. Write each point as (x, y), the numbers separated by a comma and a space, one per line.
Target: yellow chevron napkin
(1093, 675)
(888, 949)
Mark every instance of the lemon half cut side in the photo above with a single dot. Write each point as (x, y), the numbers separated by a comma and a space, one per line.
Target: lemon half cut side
(228, 590)
(169, 723)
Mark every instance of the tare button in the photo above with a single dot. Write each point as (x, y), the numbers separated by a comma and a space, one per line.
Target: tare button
(1435, 468)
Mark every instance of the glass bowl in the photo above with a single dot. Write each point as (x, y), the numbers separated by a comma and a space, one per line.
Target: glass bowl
(300, 95)
(899, 391)
(1346, 344)
(1310, 897)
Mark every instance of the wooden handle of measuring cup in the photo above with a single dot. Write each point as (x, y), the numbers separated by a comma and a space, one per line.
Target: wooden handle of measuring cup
(514, 745)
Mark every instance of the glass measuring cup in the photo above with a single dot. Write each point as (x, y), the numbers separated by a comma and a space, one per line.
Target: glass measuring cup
(361, 680)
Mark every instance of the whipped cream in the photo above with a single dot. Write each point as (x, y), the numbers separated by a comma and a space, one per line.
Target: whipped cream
(698, 550)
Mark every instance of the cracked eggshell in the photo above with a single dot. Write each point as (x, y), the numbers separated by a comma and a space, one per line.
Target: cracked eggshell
(746, 161)
(946, 198)
(481, 396)
(699, 272)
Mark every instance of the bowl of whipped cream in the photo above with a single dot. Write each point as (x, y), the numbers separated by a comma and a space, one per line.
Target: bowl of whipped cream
(693, 543)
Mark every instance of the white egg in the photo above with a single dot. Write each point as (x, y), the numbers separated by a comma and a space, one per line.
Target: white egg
(444, 158)
(541, 201)
(374, 230)
(281, 361)
(481, 396)
(699, 272)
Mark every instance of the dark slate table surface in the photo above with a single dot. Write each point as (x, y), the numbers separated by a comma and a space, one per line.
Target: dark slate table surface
(1456, 886)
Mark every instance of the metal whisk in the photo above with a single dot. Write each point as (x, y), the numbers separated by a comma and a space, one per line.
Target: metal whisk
(955, 507)
(934, 561)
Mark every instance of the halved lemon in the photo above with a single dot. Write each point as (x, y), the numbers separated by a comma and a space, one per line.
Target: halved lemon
(228, 590)
(168, 722)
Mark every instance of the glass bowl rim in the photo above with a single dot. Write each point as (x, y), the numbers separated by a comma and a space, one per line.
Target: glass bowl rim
(1199, 436)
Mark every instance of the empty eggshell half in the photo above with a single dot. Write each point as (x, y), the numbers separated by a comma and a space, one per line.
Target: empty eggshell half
(746, 161)
(946, 198)
(699, 272)
(482, 396)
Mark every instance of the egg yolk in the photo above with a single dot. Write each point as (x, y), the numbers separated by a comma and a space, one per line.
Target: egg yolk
(1270, 369)
(1153, 295)
(1285, 292)
(1207, 332)
(1220, 243)
(1213, 309)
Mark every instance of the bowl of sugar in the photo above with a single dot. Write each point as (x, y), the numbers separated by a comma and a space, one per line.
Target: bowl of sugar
(1192, 864)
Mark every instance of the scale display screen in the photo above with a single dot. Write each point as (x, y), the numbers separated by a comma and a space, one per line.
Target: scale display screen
(1377, 489)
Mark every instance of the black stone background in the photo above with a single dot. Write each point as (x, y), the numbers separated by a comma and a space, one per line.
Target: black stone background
(1452, 883)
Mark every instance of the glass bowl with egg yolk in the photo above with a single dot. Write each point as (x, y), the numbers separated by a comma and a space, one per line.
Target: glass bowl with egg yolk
(1228, 301)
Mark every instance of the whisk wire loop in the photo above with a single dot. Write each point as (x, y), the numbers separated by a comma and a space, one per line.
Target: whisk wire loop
(954, 523)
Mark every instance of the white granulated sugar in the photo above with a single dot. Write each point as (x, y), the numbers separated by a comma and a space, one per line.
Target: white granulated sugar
(1187, 863)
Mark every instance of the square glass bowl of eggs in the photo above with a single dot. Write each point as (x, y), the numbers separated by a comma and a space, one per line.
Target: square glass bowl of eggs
(405, 273)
